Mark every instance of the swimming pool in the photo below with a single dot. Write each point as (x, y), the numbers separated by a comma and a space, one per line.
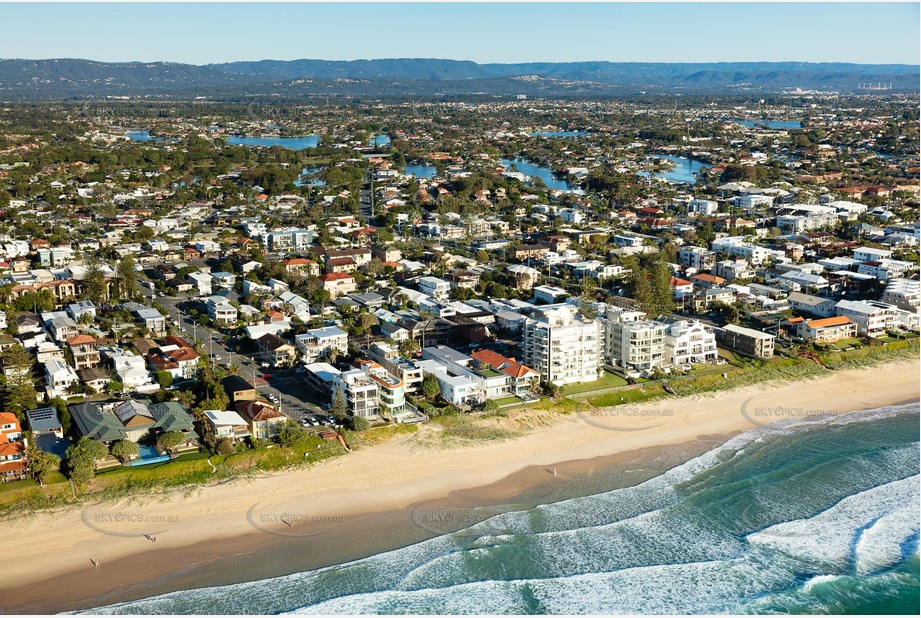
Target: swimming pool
(148, 455)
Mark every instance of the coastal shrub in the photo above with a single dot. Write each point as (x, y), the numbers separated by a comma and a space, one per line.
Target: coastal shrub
(124, 450)
(225, 446)
(360, 424)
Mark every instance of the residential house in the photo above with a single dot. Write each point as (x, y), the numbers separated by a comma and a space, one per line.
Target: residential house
(150, 320)
(276, 351)
(823, 330)
(263, 419)
(338, 284)
(80, 308)
(813, 305)
(59, 378)
(220, 310)
(227, 424)
(83, 351)
(13, 461)
(522, 379)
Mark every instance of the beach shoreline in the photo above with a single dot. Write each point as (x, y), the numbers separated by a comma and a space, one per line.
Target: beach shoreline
(240, 524)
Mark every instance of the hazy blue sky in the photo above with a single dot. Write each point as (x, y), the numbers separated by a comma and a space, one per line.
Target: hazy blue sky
(509, 32)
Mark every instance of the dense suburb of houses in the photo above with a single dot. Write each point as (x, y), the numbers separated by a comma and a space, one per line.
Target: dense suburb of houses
(421, 321)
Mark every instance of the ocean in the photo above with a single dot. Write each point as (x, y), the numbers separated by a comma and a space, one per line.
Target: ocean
(811, 516)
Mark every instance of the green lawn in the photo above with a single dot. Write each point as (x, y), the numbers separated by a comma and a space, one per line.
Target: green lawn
(507, 401)
(608, 380)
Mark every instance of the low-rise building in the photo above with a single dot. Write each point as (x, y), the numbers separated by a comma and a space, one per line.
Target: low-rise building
(746, 341)
(903, 293)
(318, 343)
(276, 351)
(823, 330)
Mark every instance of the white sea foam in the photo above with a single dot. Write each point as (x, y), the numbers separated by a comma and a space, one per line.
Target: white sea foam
(631, 550)
(830, 536)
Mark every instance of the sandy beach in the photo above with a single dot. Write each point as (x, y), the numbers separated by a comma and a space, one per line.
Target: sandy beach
(51, 552)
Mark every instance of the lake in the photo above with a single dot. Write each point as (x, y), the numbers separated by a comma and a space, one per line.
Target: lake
(380, 140)
(420, 171)
(685, 169)
(772, 124)
(308, 177)
(557, 134)
(292, 143)
(546, 174)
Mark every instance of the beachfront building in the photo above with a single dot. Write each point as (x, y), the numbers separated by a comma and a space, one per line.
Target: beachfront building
(227, 424)
(871, 318)
(455, 389)
(687, 342)
(391, 391)
(13, 462)
(563, 346)
(631, 342)
(357, 391)
(490, 384)
(824, 330)
(389, 358)
(263, 420)
(522, 379)
(746, 341)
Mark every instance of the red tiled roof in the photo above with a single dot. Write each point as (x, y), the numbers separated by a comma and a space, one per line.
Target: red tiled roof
(80, 340)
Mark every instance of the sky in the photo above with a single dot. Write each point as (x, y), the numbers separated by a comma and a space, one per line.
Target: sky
(873, 32)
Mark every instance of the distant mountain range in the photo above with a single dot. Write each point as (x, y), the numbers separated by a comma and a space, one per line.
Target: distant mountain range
(69, 78)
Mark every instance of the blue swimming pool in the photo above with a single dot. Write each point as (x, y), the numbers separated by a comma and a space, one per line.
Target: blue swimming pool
(148, 455)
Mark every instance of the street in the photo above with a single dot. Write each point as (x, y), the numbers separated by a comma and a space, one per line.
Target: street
(294, 399)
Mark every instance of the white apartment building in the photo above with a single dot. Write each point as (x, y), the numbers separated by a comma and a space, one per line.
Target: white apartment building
(562, 345)
(736, 245)
(871, 319)
(289, 240)
(874, 318)
(490, 384)
(885, 269)
(456, 389)
(688, 342)
(903, 293)
(704, 207)
(318, 343)
(633, 342)
(358, 392)
(869, 254)
(220, 310)
(435, 287)
(752, 201)
(696, 257)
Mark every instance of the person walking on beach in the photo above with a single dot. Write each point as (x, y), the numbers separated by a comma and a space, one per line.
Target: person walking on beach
(95, 563)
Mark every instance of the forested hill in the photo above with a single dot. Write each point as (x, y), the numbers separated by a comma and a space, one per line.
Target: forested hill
(64, 78)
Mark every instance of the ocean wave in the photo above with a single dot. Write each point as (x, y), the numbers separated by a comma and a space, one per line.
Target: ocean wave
(764, 512)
